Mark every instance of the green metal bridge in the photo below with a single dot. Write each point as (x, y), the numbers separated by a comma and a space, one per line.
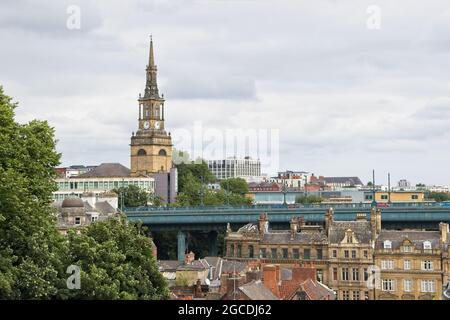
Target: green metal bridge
(212, 219)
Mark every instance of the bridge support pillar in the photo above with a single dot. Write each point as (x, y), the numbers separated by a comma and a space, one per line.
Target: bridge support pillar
(212, 238)
(181, 248)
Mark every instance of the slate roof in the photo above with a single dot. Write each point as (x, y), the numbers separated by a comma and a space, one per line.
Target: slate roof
(417, 237)
(361, 229)
(299, 237)
(102, 207)
(107, 170)
(255, 290)
(199, 265)
(169, 265)
(232, 266)
(344, 180)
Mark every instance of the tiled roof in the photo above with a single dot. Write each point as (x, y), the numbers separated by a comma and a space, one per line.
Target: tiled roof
(362, 230)
(255, 290)
(317, 291)
(107, 170)
(417, 237)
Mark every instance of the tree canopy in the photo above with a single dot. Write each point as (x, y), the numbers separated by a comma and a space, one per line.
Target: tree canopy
(438, 196)
(308, 199)
(30, 246)
(193, 180)
(115, 257)
(132, 196)
(116, 262)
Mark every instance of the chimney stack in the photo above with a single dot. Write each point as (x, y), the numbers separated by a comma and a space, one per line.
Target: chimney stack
(329, 218)
(294, 227)
(189, 258)
(198, 289)
(444, 230)
(378, 221)
(271, 278)
(263, 224)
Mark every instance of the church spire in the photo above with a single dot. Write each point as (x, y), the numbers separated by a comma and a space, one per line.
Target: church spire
(151, 86)
(151, 60)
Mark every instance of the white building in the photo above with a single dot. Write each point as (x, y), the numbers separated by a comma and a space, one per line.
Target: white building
(403, 183)
(292, 179)
(105, 177)
(246, 168)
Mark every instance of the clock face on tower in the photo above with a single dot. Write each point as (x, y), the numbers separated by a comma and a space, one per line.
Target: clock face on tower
(146, 125)
(157, 125)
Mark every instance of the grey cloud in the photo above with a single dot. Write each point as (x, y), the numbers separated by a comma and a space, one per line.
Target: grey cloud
(345, 98)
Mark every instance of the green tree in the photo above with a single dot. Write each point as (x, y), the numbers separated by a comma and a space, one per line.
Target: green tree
(116, 262)
(437, 196)
(308, 199)
(234, 185)
(30, 246)
(132, 196)
(197, 171)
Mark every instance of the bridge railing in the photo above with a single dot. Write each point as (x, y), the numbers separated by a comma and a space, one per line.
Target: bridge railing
(288, 206)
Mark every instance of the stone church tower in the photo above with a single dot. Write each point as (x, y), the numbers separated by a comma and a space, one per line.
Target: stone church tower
(151, 146)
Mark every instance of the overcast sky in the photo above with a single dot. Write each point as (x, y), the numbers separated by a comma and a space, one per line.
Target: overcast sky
(345, 96)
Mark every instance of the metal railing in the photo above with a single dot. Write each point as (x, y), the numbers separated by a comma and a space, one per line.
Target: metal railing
(288, 206)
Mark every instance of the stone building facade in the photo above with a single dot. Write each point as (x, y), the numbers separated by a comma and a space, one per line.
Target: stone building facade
(346, 255)
(413, 264)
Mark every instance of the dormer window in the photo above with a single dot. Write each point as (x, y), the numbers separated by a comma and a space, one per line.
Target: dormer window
(427, 245)
(407, 248)
(387, 244)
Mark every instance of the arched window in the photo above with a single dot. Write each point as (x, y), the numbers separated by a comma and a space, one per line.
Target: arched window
(141, 152)
(162, 152)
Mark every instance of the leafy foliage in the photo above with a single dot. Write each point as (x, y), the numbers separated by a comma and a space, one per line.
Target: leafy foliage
(30, 246)
(438, 196)
(234, 185)
(308, 199)
(193, 191)
(132, 196)
(116, 262)
(115, 257)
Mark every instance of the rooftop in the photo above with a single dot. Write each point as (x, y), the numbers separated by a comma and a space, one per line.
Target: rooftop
(107, 170)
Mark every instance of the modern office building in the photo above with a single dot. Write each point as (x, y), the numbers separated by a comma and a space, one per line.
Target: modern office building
(246, 168)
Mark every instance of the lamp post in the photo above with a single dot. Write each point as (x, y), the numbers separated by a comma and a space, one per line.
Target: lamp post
(284, 190)
(201, 190)
(374, 202)
(228, 191)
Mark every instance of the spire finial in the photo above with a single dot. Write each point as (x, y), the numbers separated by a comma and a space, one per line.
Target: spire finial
(151, 61)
